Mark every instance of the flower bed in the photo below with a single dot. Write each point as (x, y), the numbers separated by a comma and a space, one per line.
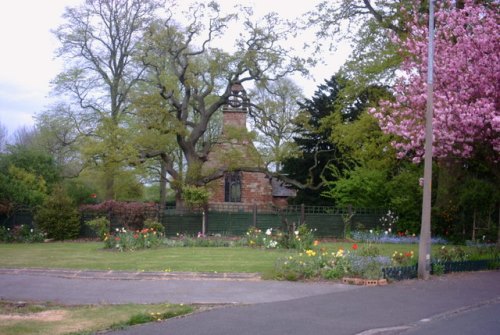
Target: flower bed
(357, 262)
(125, 240)
(374, 236)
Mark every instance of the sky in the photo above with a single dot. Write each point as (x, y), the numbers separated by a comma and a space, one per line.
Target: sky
(28, 63)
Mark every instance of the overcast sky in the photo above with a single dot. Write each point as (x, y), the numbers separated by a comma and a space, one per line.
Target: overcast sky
(27, 63)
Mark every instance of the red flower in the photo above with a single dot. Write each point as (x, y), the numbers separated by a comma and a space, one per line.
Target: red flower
(354, 246)
(136, 236)
(93, 196)
(117, 238)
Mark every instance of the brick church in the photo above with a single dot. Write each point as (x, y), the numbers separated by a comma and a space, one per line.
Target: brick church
(236, 157)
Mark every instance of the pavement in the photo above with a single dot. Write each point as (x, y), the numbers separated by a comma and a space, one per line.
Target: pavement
(120, 287)
(463, 303)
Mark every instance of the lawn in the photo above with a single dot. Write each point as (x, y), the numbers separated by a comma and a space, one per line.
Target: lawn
(92, 256)
(57, 319)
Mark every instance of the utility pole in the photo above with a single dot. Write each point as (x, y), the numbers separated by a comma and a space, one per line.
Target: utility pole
(424, 247)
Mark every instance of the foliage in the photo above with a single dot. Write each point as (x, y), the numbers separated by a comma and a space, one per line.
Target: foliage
(314, 143)
(403, 258)
(124, 240)
(366, 27)
(451, 254)
(191, 78)
(26, 176)
(195, 196)
(21, 233)
(130, 215)
(380, 236)
(204, 241)
(154, 225)
(58, 216)
(319, 263)
(362, 187)
(300, 238)
(275, 109)
(100, 46)
(80, 191)
(100, 225)
(465, 87)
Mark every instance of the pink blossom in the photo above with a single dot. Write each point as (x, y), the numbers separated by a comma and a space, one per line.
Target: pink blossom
(466, 84)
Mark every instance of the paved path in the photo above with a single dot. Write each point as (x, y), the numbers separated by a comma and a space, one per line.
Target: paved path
(117, 287)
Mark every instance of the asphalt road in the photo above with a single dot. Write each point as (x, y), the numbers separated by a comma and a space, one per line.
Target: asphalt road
(467, 303)
(452, 304)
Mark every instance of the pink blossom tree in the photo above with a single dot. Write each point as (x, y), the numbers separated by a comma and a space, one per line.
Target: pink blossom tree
(466, 84)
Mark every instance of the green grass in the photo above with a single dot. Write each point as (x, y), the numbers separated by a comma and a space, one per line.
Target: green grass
(92, 256)
(55, 319)
(71, 255)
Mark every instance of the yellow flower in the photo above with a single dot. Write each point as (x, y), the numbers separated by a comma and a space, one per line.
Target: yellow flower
(310, 253)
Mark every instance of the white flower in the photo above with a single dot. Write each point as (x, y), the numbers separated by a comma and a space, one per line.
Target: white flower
(117, 230)
(269, 231)
(390, 230)
(386, 232)
(31, 230)
(296, 232)
(371, 231)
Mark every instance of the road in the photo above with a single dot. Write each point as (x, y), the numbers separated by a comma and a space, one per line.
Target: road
(465, 303)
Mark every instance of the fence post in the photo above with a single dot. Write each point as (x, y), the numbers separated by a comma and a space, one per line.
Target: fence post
(302, 214)
(255, 215)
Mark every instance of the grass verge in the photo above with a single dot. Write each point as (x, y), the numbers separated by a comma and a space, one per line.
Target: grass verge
(47, 318)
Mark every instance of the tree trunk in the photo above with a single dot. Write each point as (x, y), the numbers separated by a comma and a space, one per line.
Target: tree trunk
(109, 181)
(163, 185)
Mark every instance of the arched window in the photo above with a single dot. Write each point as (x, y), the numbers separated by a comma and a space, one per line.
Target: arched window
(232, 187)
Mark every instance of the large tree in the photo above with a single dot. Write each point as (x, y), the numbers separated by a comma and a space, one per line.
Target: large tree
(313, 140)
(99, 44)
(194, 77)
(275, 108)
(466, 85)
(365, 25)
(466, 118)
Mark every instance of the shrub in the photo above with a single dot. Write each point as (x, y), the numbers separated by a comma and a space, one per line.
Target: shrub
(451, 254)
(100, 226)
(58, 216)
(154, 225)
(130, 215)
(403, 258)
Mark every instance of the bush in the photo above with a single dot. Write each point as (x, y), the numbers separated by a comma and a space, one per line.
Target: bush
(154, 225)
(130, 215)
(100, 226)
(58, 216)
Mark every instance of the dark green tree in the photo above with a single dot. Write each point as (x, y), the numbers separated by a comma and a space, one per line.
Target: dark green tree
(58, 216)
